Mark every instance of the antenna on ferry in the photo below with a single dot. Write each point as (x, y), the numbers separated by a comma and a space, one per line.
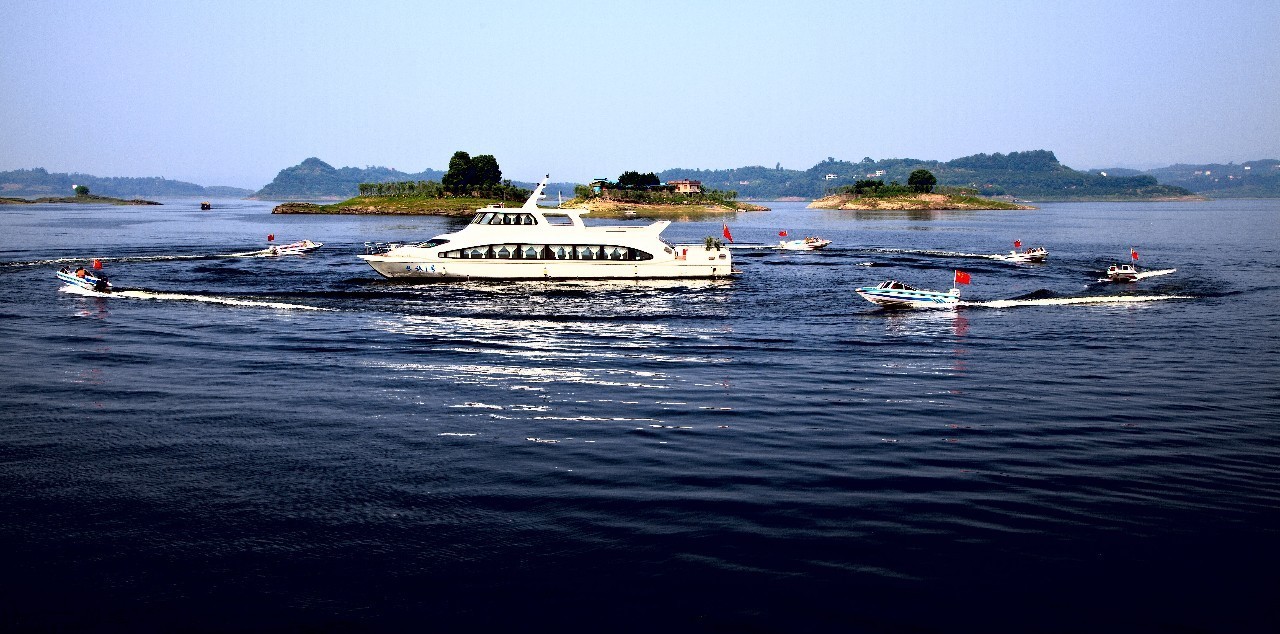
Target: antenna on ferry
(537, 193)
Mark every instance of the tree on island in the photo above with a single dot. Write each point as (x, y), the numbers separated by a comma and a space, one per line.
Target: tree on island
(81, 190)
(922, 181)
(485, 171)
(636, 180)
(467, 173)
(459, 174)
(867, 185)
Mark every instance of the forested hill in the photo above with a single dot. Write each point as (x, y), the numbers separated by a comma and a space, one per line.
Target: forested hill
(1035, 175)
(313, 179)
(1251, 179)
(37, 183)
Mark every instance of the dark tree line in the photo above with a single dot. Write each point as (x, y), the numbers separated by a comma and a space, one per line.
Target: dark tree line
(636, 180)
(467, 174)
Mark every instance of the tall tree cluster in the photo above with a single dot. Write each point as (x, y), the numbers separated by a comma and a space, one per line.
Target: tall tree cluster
(467, 173)
(636, 180)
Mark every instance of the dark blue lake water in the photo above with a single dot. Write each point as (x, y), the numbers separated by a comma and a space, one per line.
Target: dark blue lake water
(770, 453)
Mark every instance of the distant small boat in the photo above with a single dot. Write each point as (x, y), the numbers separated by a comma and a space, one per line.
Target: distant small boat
(806, 244)
(83, 278)
(896, 295)
(1032, 254)
(205, 206)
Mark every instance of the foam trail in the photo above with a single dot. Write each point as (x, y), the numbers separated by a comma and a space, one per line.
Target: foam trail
(1144, 274)
(945, 254)
(76, 290)
(1065, 301)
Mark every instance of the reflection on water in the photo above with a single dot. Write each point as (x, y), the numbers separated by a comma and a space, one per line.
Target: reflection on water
(916, 215)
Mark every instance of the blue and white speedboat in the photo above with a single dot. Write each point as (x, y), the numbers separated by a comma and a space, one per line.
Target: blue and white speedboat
(896, 295)
(805, 244)
(86, 279)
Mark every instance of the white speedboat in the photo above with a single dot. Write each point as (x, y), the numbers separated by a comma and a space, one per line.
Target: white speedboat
(86, 279)
(293, 248)
(806, 244)
(895, 294)
(1031, 254)
(530, 242)
(1122, 273)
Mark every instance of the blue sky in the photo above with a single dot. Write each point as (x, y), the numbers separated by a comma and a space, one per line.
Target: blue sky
(229, 93)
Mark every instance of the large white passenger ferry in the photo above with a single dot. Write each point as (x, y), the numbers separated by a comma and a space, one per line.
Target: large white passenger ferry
(531, 242)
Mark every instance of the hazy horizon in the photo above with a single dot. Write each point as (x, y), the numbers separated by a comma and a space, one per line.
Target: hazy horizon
(231, 93)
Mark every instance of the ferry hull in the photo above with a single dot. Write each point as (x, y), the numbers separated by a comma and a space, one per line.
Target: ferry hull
(400, 268)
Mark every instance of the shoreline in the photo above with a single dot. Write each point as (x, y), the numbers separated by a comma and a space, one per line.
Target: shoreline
(938, 202)
(77, 200)
(466, 207)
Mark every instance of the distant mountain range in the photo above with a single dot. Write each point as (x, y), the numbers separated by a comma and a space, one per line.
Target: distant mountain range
(313, 179)
(1031, 175)
(35, 183)
(1251, 179)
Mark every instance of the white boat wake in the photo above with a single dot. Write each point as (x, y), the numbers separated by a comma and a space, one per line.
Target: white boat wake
(1065, 301)
(182, 297)
(945, 254)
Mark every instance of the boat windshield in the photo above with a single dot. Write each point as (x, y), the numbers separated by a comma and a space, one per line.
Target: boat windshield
(895, 285)
(434, 242)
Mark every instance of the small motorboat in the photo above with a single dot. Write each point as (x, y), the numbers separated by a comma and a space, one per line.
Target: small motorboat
(205, 206)
(806, 244)
(293, 248)
(896, 295)
(1031, 254)
(1122, 273)
(88, 280)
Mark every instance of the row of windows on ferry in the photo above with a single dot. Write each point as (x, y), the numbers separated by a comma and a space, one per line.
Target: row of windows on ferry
(549, 252)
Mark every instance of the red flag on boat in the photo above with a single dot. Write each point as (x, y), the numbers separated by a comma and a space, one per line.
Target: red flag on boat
(727, 236)
(962, 277)
(97, 264)
(783, 233)
(271, 237)
(1017, 244)
(1133, 254)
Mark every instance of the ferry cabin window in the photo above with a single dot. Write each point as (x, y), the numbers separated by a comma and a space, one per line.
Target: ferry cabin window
(549, 252)
(504, 218)
(434, 242)
(558, 220)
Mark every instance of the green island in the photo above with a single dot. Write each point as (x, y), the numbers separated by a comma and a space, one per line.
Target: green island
(920, 193)
(643, 195)
(82, 197)
(475, 182)
(470, 183)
